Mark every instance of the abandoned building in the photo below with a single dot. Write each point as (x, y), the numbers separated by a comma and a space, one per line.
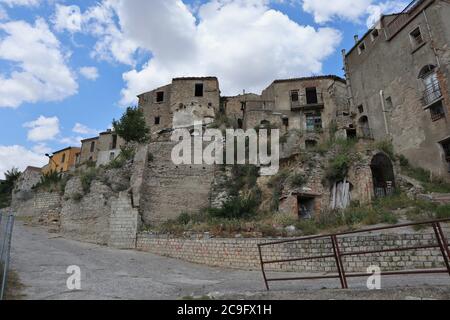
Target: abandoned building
(398, 84)
(102, 149)
(181, 103)
(62, 161)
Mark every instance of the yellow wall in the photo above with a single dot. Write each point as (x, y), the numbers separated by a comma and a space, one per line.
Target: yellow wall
(57, 164)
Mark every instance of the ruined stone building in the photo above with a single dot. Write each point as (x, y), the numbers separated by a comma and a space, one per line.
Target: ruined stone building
(102, 149)
(398, 83)
(311, 105)
(181, 103)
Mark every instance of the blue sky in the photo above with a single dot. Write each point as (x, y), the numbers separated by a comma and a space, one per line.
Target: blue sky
(67, 68)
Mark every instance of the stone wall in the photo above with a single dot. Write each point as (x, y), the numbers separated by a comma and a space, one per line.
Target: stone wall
(123, 223)
(42, 206)
(243, 253)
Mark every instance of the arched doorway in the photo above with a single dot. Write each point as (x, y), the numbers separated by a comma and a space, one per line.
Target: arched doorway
(383, 175)
(364, 127)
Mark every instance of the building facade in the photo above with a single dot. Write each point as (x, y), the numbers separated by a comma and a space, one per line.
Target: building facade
(62, 160)
(181, 103)
(398, 82)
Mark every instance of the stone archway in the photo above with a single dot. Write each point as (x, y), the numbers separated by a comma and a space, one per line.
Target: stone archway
(383, 175)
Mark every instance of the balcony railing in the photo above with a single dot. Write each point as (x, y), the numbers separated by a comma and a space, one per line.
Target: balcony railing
(402, 18)
(305, 102)
(431, 94)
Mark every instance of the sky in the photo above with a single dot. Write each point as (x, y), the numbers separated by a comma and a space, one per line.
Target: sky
(68, 68)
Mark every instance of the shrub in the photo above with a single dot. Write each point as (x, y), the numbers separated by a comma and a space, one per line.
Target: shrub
(298, 180)
(237, 207)
(387, 147)
(86, 179)
(308, 227)
(337, 169)
(184, 218)
(132, 126)
(443, 212)
(51, 181)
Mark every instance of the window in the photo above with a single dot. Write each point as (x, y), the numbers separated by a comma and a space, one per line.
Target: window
(374, 35)
(314, 122)
(361, 48)
(361, 109)
(286, 121)
(437, 111)
(310, 144)
(294, 96)
(446, 146)
(63, 159)
(157, 121)
(416, 37)
(311, 96)
(199, 90)
(389, 105)
(160, 96)
(92, 146)
(430, 81)
(114, 142)
(240, 124)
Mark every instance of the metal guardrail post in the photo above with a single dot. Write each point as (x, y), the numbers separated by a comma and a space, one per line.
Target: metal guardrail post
(442, 244)
(340, 266)
(7, 250)
(262, 268)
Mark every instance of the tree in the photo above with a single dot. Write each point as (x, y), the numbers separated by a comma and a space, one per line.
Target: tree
(7, 186)
(132, 127)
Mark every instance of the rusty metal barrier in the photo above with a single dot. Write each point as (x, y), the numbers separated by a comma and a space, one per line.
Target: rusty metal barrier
(338, 254)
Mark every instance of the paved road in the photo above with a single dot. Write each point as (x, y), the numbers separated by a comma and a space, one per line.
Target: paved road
(41, 260)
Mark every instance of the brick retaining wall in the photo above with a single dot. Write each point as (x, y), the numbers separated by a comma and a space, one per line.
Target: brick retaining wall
(243, 253)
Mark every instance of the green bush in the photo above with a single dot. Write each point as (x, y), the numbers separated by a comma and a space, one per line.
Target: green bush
(184, 218)
(238, 207)
(297, 181)
(337, 169)
(86, 179)
(51, 181)
(387, 147)
(443, 212)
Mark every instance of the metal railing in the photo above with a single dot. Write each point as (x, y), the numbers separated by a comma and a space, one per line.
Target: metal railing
(431, 94)
(6, 229)
(338, 254)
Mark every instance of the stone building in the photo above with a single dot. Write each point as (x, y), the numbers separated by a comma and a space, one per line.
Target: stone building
(398, 82)
(63, 160)
(310, 105)
(89, 150)
(181, 103)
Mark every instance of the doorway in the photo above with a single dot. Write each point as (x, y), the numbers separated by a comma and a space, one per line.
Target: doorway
(383, 176)
(306, 207)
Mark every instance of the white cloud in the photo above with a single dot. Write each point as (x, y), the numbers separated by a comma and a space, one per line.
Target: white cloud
(19, 157)
(43, 129)
(40, 72)
(245, 43)
(71, 141)
(351, 10)
(84, 130)
(3, 14)
(42, 149)
(67, 18)
(90, 73)
(25, 3)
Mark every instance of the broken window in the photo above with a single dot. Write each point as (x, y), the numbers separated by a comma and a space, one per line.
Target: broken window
(446, 146)
(361, 109)
(306, 207)
(160, 96)
(374, 35)
(199, 90)
(361, 48)
(314, 122)
(351, 134)
(92, 146)
(294, 96)
(416, 37)
(437, 111)
(114, 142)
(63, 158)
(286, 121)
(311, 96)
(157, 121)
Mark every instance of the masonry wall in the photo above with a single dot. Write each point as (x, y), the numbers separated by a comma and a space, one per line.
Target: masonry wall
(42, 206)
(243, 253)
(169, 190)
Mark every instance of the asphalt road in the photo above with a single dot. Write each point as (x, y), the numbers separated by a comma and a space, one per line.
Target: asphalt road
(41, 260)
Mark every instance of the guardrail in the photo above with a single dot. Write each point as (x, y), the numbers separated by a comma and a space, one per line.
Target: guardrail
(338, 254)
(6, 229)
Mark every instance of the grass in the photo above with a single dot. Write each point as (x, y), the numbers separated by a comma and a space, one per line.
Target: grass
(86, 179)
(14, 287)
(430, 184)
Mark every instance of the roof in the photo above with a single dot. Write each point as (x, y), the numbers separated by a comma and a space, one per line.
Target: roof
(324, 77)
(65, 149)
(36, 169)
(195, 78)
(89, 139)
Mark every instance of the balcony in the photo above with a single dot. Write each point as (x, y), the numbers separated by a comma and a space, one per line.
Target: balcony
(307, 102)
(431, 94)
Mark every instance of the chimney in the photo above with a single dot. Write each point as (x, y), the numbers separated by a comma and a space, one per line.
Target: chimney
(356, 38)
